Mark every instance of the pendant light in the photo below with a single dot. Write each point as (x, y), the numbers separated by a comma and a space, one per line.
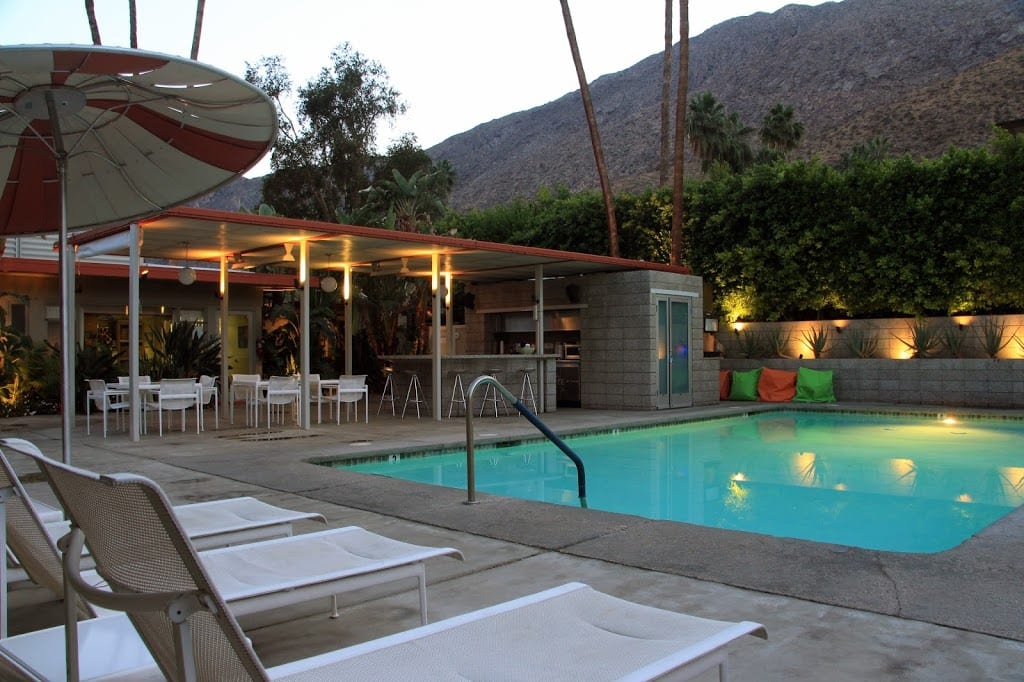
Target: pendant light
(186, 275)
(328, 284)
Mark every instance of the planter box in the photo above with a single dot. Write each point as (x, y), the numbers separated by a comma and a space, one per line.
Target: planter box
(947, 382)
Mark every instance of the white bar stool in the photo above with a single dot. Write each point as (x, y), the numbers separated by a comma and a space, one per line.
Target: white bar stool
(388, 394)
(526, 391)
(491, 394)
(414, 394)
(458, 392)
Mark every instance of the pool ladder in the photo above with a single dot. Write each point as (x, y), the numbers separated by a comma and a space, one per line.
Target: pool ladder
(581, 478)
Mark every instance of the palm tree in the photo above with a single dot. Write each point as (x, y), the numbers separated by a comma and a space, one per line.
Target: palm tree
(780, 131)
(200, 8)
(666, 92)
(735, 143)
(680, 137)
(94, 27)
(595, 139)
(410, 204)
(705, 127)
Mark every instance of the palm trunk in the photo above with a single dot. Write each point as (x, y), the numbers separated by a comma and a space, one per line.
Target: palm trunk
(94, 28)
(595, 139)
(200, 8)
(133, 25)
(665, 161)
(680, 141)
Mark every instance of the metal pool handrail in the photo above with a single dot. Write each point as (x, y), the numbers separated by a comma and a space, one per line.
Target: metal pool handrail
(581, 477)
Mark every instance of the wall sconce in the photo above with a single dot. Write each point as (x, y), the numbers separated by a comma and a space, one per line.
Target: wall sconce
(186, 275)
(288, 257)
(839, 329)
(737, 327)
(711, 325)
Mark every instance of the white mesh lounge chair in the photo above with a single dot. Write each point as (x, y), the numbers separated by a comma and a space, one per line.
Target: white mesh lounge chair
(216, 523)
(257, 577)
(173, 601)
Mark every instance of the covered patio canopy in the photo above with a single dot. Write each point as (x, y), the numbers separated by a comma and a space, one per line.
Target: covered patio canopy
(242, 240)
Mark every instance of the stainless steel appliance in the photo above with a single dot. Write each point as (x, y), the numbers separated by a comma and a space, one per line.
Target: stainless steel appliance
(568, 388)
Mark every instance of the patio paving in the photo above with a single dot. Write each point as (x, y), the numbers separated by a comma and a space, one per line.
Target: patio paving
(832, 612)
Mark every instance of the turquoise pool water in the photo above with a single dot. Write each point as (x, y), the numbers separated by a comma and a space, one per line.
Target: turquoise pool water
(896, 483)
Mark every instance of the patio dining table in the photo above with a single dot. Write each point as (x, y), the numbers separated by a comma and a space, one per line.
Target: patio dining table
(152, 391)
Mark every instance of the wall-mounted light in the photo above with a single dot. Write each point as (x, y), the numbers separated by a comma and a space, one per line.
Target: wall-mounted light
(447, 289)
(186, 275)
(839, 329)
(737, 327)
(346, 283)
(288, 257)
(711, 324)
(434, 265)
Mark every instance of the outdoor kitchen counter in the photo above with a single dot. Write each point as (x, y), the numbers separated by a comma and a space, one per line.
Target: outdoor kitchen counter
(541, 368)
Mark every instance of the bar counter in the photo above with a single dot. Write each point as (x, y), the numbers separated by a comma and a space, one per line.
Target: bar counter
(541, 368)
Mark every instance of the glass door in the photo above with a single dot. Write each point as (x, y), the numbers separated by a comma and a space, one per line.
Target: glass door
(673, 352)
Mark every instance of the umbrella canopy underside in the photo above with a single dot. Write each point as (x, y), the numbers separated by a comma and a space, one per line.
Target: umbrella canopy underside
(141, 132)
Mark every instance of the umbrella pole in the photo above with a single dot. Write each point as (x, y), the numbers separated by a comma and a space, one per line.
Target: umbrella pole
(67, 318)
(67, 284)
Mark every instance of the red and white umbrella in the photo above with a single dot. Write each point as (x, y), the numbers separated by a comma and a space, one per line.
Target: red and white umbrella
(93, 136)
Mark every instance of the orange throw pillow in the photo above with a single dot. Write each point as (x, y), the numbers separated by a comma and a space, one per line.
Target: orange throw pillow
(776, 385)
(724, 383)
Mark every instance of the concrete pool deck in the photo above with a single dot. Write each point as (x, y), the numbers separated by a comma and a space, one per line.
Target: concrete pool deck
(831, 612)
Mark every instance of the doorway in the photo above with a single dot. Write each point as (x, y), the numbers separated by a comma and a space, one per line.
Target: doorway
(673, 352)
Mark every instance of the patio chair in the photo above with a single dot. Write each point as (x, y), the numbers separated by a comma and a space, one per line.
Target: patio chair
(175, 395)
(253, 578)
(281, 392)
(106, 401)
(244, 387)
(314, 394)
(351, 389)
(208, 393)
(570, 631)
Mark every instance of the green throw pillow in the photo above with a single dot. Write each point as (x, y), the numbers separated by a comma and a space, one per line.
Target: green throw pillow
(814, 386)
(744, 385)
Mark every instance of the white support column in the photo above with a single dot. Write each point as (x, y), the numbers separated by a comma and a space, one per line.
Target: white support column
(435, 334)
(449, 315)
(346, 293)
(304, 421)
(224, 330)
(538, 296)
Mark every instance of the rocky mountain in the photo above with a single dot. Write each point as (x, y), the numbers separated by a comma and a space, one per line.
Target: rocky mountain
(926, 74)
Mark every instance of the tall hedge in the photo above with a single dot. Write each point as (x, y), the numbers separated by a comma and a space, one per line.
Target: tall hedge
(798, 240)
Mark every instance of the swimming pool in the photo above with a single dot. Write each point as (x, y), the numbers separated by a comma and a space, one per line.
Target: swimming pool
(887, 482)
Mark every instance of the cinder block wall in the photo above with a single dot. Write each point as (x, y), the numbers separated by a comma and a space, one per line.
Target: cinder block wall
(620, 343)
(618, 333)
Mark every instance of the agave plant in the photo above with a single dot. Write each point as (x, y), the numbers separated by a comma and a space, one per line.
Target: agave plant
(775, 342)
(862, 341)
(817, 340)
(924, 339)
(992, 337)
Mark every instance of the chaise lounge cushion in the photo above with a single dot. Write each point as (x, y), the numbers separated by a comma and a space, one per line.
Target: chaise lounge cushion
(744, 385)
(724, 383)
(776, 385)
(814, 386)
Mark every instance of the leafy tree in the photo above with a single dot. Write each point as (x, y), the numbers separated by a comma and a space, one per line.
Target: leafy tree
(324, 158)
(875, 150)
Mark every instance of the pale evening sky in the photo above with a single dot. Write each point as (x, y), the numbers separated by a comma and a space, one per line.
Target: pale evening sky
(456, 63)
